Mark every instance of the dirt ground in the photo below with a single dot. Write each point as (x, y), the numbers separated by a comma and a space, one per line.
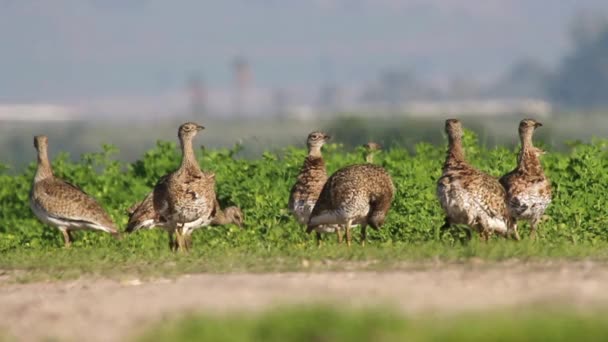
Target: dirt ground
(109, 310)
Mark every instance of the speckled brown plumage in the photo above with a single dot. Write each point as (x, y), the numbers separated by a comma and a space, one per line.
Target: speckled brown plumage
(64, 205)
(469, 196)
(356, 194)
(186, 195)
(143, 216)
(309, 183)
(528, 189)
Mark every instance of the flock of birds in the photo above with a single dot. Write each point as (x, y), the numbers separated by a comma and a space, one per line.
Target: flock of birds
(355, 195)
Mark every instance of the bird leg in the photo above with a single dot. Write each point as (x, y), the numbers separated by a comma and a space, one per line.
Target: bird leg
(363, 234)
(67, 238)
(172, 242)
(188, 241)
(319, 239)
(533, 229)
(339, 234)
(347, 232)
(515, 233)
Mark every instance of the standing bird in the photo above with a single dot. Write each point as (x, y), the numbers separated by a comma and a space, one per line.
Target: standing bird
(356, 194)
(469, 196)
(143, 216)
(528, 189)
(371, 149)
(187, 195)
(64, 205)
(309, 183)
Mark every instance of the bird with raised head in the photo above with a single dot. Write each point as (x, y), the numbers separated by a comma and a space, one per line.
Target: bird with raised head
(185, 198)
(371, 149)
(64, 205)
(528, 189)
(469, 196)
(309, 183)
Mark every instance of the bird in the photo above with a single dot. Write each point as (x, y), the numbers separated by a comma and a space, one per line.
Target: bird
(143, 216)
(371, 149)
(64, 205)
(528, 189)
(186, 195)
(359, 194)
(469, 196)
(309, 183)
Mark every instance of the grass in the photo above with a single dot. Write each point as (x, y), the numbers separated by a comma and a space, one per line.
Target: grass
(322, 323)
(118, 259)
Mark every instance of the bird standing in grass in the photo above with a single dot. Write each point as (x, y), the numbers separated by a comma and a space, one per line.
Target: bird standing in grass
(528, 189)
(143, 216)
(469, 196)
(309, 183)
(64, 205)
(357, 194)
(185, 198)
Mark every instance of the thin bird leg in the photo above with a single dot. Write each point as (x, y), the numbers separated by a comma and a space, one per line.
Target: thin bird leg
(347, 232)
(319, 239)
(172, 243)
(339, 234)
(67, 239)
(515, 233)
(485, 235)
(533, 229)
(188, 241)
(181, 243)
(363, 234)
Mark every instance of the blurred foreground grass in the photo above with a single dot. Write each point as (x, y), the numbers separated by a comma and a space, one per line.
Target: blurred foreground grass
(323, 323)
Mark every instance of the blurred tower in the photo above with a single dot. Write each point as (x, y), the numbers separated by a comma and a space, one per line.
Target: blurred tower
(198, 95)
(242, 84)
(280, 100)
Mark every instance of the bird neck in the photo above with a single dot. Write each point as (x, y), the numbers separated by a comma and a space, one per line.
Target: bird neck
(314, 152)
(44, 169)
(220, 218)
(188, 156)
(528, 160)
(455, 153)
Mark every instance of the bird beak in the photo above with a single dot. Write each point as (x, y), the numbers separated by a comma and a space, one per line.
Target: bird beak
(537, 124)
(200, 127)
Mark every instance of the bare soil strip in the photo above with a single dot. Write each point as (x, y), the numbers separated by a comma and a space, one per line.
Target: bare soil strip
(109, 310)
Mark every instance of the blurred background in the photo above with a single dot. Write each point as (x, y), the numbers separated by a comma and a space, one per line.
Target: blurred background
(264, 73)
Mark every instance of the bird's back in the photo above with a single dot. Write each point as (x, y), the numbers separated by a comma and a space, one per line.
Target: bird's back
(358, 192)
(60, 200)
(143, 216)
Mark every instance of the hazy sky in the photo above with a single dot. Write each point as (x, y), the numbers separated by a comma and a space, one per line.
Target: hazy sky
(60, 50)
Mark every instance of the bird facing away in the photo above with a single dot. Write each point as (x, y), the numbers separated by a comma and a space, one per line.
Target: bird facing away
(469, 196)
(371, 149)
(143, 216)
(528, 189)
(309, 183)
(356, 194)
(187, 195)
(64, 205)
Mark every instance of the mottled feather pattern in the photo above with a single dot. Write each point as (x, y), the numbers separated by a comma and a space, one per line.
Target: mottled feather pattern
(528, 189)
(66, 202)
(470, 196)
(362, 193)
(307, 188)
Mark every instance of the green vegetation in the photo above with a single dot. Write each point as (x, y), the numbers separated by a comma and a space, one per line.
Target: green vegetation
(575, 226)
(327, 324)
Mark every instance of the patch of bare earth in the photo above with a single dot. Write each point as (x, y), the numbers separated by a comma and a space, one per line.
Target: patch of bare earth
(107, 310)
